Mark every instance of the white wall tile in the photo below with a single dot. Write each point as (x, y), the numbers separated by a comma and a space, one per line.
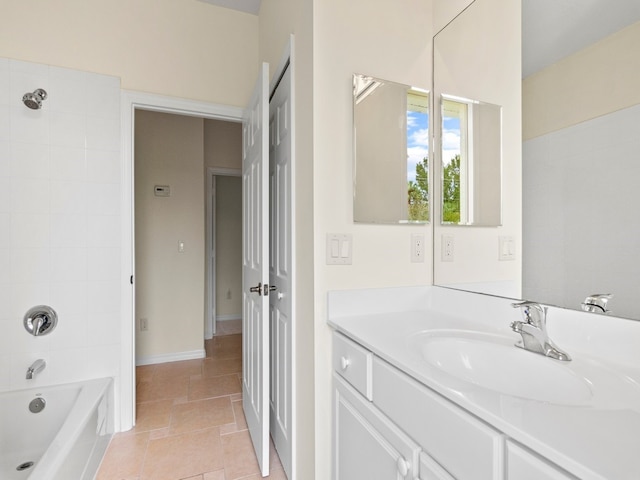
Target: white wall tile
(103, 133)
(103, 329)
(69, 230)
(5, 195)
(104, 264)
(103, 231)
(5, 372)
(68, 365)
(5, 230)
(68, 91)
(67, 163)
(5, 279)
(20, 362)
(103, 166)
(70, 298)
(30, 265)
(30, 230)
(68, 264)
(29, 126)
(30, 160)
(5, 157)
(103, 199)
(5, 123)
(67, 129)
(30, 195)
(26, 295)
(71, 332)
(104, 297)
(68, 197)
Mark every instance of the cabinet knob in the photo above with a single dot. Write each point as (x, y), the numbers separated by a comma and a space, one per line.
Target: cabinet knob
(344, 363)
(403, 466)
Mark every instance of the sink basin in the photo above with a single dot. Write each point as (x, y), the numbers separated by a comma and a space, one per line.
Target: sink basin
(493, 362)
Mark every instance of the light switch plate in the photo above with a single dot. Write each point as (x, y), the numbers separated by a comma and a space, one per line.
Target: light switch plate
(339, 247)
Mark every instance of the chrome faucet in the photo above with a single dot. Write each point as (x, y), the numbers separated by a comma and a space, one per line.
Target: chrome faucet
(534, 331)
(597, 303)
(36, 367)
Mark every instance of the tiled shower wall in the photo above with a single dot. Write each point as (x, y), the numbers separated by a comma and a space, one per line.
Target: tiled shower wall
(60, 232)
(580, 213)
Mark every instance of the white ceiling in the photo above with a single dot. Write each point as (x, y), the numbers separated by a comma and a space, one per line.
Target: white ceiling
(248, 6)
(554, 29)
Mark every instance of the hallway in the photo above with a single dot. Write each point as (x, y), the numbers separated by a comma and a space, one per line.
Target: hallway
(190, 424)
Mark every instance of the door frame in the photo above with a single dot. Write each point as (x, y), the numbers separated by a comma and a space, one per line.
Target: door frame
(210, 214)
(131, 101)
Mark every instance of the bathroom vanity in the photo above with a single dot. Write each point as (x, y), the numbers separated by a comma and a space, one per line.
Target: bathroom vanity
(428, 384)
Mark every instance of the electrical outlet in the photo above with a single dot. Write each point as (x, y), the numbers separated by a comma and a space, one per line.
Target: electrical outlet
(447, 248)
(417, 248)
(144, 324)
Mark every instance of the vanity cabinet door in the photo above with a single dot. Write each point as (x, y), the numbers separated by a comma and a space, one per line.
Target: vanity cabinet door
(430, 470)
(525, 465)
(353, 363)
(462, 444)
(366, 445)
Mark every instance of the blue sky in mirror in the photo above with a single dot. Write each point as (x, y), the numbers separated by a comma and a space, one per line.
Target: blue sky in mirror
(450, 138)
(417, 141)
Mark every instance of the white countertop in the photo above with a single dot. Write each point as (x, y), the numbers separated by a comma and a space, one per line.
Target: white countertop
(596, 440)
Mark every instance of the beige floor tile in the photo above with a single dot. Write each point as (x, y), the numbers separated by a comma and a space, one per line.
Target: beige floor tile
(124, 457)
(218, 475)
(171, 370)
(153, 415)
(144, 373)
(182, 456)
(238, 411)
(197, 477)
(239, 456)
(228, 346)
(212, 367)
(229, 327)
(214, 387)
(274, 474)
(201, 414)
(156, 390)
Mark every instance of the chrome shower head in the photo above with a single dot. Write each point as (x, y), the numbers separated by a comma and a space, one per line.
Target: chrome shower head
(34, 100)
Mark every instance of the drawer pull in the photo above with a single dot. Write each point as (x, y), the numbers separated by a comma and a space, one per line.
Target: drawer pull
(344, 363)
(403, 466)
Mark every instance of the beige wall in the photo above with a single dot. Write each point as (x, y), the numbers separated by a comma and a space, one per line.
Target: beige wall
(182, 48)
(228, 244)
(222, 144)
(572, 90)
(169, 284)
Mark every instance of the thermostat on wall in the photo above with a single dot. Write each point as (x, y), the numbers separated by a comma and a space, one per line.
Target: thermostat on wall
(162, 191)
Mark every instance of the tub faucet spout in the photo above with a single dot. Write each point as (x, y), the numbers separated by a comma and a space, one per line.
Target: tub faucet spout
(35, 368)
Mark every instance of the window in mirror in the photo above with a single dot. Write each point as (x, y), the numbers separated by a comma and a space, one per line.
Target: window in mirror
(471, 162)
(391, 166)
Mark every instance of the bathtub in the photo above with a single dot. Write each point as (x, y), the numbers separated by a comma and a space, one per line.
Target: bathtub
(65, 440)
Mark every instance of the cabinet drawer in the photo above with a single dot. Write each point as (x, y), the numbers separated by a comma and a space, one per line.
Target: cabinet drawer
(525, 465)
(353, 363)
(464, 446)
(366, 444)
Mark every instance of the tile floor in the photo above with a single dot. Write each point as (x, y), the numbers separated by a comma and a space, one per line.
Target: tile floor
(190, 424)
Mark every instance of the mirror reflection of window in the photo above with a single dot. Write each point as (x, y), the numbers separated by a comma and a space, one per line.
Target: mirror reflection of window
(471, 162)
(418, 155)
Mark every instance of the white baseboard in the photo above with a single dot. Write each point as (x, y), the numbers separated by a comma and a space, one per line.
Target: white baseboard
(224, 318)
(170, 357)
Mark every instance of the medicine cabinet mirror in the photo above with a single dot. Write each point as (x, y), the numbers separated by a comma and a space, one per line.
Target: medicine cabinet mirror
(391, 152)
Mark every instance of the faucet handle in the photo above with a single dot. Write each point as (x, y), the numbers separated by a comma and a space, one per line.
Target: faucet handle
(532, 312)
(597, 303)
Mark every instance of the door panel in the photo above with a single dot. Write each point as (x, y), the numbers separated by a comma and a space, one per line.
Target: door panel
(280, 272)
(255, 259)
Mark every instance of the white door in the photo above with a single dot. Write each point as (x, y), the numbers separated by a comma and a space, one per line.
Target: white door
(255, 273)
(281, 258)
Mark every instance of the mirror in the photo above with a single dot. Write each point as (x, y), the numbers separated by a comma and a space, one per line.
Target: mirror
(391, 168)
(580, 117)
(471, 139)
(476, 81)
